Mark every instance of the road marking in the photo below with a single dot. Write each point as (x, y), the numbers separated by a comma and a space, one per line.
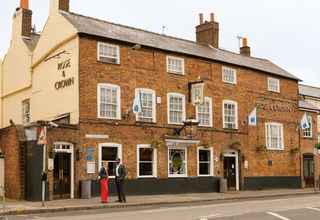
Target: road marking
(175, 208)
(315, 209)
(277, 215)
(209, 216)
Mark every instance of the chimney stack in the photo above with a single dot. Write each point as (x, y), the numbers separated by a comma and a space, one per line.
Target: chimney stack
(245, 50)
(57, 5)
(26, 18)
(208, 32)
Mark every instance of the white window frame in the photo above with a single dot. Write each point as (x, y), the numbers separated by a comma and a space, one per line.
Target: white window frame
(266, 135)
(102, 145)
(269, 84)
(26, 116)
(206, 99)
(110, 45)
(154, 164)
(309, 117)
(154, 113)
(236, 113)
(107, 85)
(183, 107)
(211, 161)
(174, 71)
(234, 71)
(186, 162)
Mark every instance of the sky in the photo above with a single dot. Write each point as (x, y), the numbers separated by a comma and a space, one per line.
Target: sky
(287, 32)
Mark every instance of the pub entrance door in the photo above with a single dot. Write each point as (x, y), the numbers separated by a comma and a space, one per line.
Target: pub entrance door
(308, 170)
(63, 172)
(62, 176)
(231, 170)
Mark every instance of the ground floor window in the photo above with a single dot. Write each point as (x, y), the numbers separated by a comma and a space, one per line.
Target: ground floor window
(177, 159)
(109, 153)
(205, 162)
(147, 161)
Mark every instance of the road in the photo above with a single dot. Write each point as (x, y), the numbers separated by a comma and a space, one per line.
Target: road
(286, 208)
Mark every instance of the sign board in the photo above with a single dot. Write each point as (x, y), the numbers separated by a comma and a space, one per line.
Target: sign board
(91, 167)
(90, 153)
(50, 164)
(97, 136)
(197, 93)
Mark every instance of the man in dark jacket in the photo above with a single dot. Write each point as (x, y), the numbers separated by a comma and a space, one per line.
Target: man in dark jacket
(121, 173)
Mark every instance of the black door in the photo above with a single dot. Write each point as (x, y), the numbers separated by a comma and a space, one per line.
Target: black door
(62, 176)
(230, 172)
(308, 170)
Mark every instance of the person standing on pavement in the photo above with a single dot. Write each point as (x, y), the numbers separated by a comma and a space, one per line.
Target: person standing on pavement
(121, 173)
(104, 183)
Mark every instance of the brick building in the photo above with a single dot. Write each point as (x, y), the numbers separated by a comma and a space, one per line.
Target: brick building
(81, 83)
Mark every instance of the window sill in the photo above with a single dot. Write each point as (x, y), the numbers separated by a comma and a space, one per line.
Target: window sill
(272, 149)
(308, 138)
(175, 124)
(177, 176)
(176, 73)
(276, 92)
(230, 129)
(104, 62)
(112, 119)
(146, 122)
(230, 83)
(147, 177)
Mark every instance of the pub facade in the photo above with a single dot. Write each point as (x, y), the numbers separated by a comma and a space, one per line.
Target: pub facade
(83, 85)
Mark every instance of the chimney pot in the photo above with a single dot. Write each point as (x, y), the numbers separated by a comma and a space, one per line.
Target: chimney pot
(201, 18)
(244, 42)
(24, 4)
(212, 17)
(245, 49)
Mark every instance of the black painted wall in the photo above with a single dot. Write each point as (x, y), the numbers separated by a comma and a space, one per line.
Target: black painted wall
(272, 182)
(153, 186)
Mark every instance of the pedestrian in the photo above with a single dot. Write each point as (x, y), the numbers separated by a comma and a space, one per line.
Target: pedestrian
(104, 183)
(121, 173)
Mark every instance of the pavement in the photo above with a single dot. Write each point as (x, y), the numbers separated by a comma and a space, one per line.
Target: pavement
(27, 208)
(294, 207)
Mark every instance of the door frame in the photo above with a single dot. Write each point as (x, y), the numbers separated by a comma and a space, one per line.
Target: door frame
(235, 154)
(308, 156)
(69, 151)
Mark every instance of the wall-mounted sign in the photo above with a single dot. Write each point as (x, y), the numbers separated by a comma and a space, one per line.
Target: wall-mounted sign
(275, 107)
(97, 136)
(64, 83)
(90, 153)
(91, 167)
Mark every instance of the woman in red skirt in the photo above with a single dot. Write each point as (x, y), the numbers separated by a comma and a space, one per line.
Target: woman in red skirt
(104, 183)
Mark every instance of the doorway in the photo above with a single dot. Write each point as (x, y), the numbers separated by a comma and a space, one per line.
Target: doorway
(308, 170)
(63, 172)
(231, 170)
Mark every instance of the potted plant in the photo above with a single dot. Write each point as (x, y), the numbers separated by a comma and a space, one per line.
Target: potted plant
(317, 146)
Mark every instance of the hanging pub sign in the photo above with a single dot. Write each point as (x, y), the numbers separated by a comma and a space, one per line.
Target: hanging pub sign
(196, 92)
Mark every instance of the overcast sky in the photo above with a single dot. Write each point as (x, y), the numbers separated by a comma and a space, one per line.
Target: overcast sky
(285, 31)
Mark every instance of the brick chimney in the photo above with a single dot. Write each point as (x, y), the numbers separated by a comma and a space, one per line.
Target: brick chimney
(23, 19)
(208, 31)
(245, 50)
(57, 5)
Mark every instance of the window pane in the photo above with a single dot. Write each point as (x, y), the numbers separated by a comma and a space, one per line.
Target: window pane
(109, 153)
(204, 155)
(204, 169)
(146, 154)
(145, 169)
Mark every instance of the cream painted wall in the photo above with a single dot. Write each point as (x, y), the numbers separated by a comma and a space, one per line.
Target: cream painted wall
(47, 102)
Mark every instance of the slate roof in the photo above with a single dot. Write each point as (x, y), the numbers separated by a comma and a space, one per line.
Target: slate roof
(306, 105)
(32, 42)
(96, 27)
(309, 91)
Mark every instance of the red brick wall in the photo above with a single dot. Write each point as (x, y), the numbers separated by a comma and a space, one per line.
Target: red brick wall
(146, 68)
(11, 148)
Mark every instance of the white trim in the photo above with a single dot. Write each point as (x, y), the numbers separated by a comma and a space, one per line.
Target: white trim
(110, 45)
(182, 141)
(154, 162)
(310, 124)
(276, 80)
(69, 151)
(182, 64)
(186, 162)
(211, 161)
(282, 135)
(108, 85)
(101, 145)
(236, 112)
(206, 99)
(154, 113)
(170, 94)
(234, 75)
(234, 153)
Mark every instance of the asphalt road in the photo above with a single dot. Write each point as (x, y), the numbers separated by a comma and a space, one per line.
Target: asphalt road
(293, 208)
